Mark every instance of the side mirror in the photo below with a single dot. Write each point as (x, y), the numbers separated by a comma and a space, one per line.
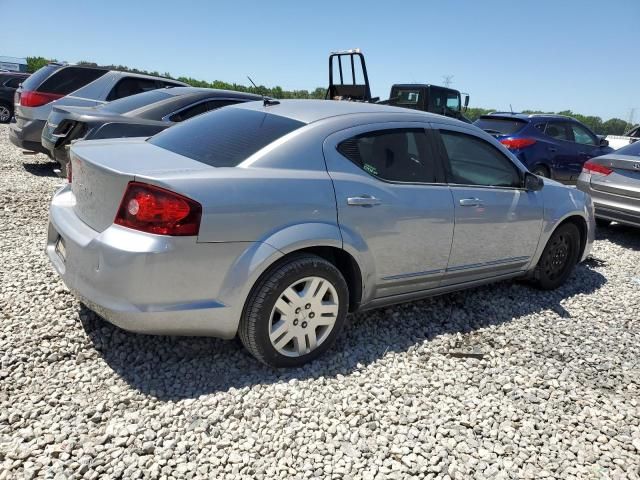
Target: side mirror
(532, 183)
(604, 142)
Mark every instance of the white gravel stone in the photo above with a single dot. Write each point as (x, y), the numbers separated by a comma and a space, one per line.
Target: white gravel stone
(555, 394)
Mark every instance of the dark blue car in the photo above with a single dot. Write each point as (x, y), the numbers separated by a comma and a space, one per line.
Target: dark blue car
(552, 146)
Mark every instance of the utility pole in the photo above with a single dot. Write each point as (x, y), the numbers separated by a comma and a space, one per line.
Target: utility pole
(447, 80)
(632, 114)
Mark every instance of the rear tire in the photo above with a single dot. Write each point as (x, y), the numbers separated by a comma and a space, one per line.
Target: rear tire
(295, 312)
(541, 171)
(6, 112)
(602, 222)
(559, 257)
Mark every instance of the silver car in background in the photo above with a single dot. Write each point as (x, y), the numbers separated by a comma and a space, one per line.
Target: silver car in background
(613, 181)
(272, 221)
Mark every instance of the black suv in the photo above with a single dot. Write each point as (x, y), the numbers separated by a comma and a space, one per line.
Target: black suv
(9, 82)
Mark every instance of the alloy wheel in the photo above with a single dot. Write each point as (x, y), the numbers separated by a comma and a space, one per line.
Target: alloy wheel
(303, 316)
(5, 114)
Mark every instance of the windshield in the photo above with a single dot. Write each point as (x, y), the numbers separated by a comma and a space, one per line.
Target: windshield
(133, 102)
(631, 149)
(224, 137)
(500, 126)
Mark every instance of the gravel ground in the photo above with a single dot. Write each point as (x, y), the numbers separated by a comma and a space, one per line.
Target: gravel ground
(496, 382)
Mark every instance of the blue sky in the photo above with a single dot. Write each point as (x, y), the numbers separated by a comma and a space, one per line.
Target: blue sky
(547, 54)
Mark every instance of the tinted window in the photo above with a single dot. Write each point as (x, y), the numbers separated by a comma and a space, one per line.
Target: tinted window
(473, 161)
(407, 97)
(70, 79)
(199, 108)
(398, 155)
(500, 126)
(632, 149)
(13, 82)
(134, 102)
(131, 86)
(225, 137)
(34, 81)
(582, 135)
(440, 100)
(559, 131)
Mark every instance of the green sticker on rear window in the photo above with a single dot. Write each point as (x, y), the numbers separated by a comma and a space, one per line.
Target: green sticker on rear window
(370, 168)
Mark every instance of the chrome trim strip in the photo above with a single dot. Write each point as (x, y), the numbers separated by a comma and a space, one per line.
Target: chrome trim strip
(487, 264)
(414, 274)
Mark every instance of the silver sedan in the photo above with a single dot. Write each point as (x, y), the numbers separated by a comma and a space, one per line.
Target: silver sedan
(613, 181)
(274, 221)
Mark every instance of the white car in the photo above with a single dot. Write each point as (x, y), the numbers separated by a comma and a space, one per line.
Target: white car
(619, 141)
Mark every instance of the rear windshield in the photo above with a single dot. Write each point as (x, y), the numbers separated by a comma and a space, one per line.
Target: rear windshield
(631, 149)
(133, 102)
(69, 79)
(34, 81)
(406, 97)
(501, 126)
(225, 137)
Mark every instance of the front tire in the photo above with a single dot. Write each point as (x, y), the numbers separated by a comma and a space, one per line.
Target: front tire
(6, 112)
(541, 171)
(295, 312)
(559, 257)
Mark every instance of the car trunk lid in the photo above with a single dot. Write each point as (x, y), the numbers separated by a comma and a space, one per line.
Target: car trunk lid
(101, 170)
(623, 180)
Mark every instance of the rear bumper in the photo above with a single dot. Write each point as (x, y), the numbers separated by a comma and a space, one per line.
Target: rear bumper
(146, 283)
(26, 134)
(609, 206)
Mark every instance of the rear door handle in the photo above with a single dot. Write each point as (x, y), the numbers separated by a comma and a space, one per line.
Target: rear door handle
(363, 201)
(470, 202)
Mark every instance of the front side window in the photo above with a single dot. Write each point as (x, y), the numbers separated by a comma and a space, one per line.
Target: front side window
(473, 161)
(581, 135)
(399, 155)
(559, 131)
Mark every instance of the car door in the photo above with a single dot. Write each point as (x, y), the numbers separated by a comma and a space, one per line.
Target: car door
(392, 204)
(563, 152)
(587, 145)
(497, 222)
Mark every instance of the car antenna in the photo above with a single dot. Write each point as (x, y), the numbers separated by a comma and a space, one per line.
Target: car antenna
(511, 108)
(266, 101)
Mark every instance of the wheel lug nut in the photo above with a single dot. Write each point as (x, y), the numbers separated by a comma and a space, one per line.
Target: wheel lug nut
(298, 310)
(295, 322)
(307, 306)
(311, 315)
(304, 324)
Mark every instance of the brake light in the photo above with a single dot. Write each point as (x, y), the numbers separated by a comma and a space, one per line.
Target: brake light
(595, 168)
(152, 209)
(517, 143)
(29, 98)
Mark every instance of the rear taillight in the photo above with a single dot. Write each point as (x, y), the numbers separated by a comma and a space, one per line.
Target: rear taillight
(517, 143)
(29, 98)
(153, 209)
(596, 169)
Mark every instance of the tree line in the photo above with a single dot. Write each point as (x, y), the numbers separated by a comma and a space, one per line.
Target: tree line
(613, 126)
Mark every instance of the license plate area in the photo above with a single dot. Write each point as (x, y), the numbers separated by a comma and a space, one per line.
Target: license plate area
(61, 249)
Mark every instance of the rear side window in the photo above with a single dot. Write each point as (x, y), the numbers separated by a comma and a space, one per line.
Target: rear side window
(559, 131)
(70, 79)
(13, 82)
(131, 86)
(34, 81)
(473, 161)
(399, 155)
(199, 108)
(134, 102)
(500, 126)
(225, 137)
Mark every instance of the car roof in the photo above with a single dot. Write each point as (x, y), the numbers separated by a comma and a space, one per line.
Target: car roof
(527, 116)
(308, 111)
(176, 91)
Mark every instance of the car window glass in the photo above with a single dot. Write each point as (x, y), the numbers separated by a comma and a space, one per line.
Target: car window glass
(558, 131)
(581, 135)
(199, 108)
(69, 79)
(132, 85)
(541, 126)
(134, 102)
(13, 82)
(399, 155)
(473, 161)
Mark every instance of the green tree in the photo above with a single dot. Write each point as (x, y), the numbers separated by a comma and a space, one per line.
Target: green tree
(36, 63)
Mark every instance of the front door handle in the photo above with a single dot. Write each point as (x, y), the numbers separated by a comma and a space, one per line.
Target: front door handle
(470, 202)
(363, 201)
